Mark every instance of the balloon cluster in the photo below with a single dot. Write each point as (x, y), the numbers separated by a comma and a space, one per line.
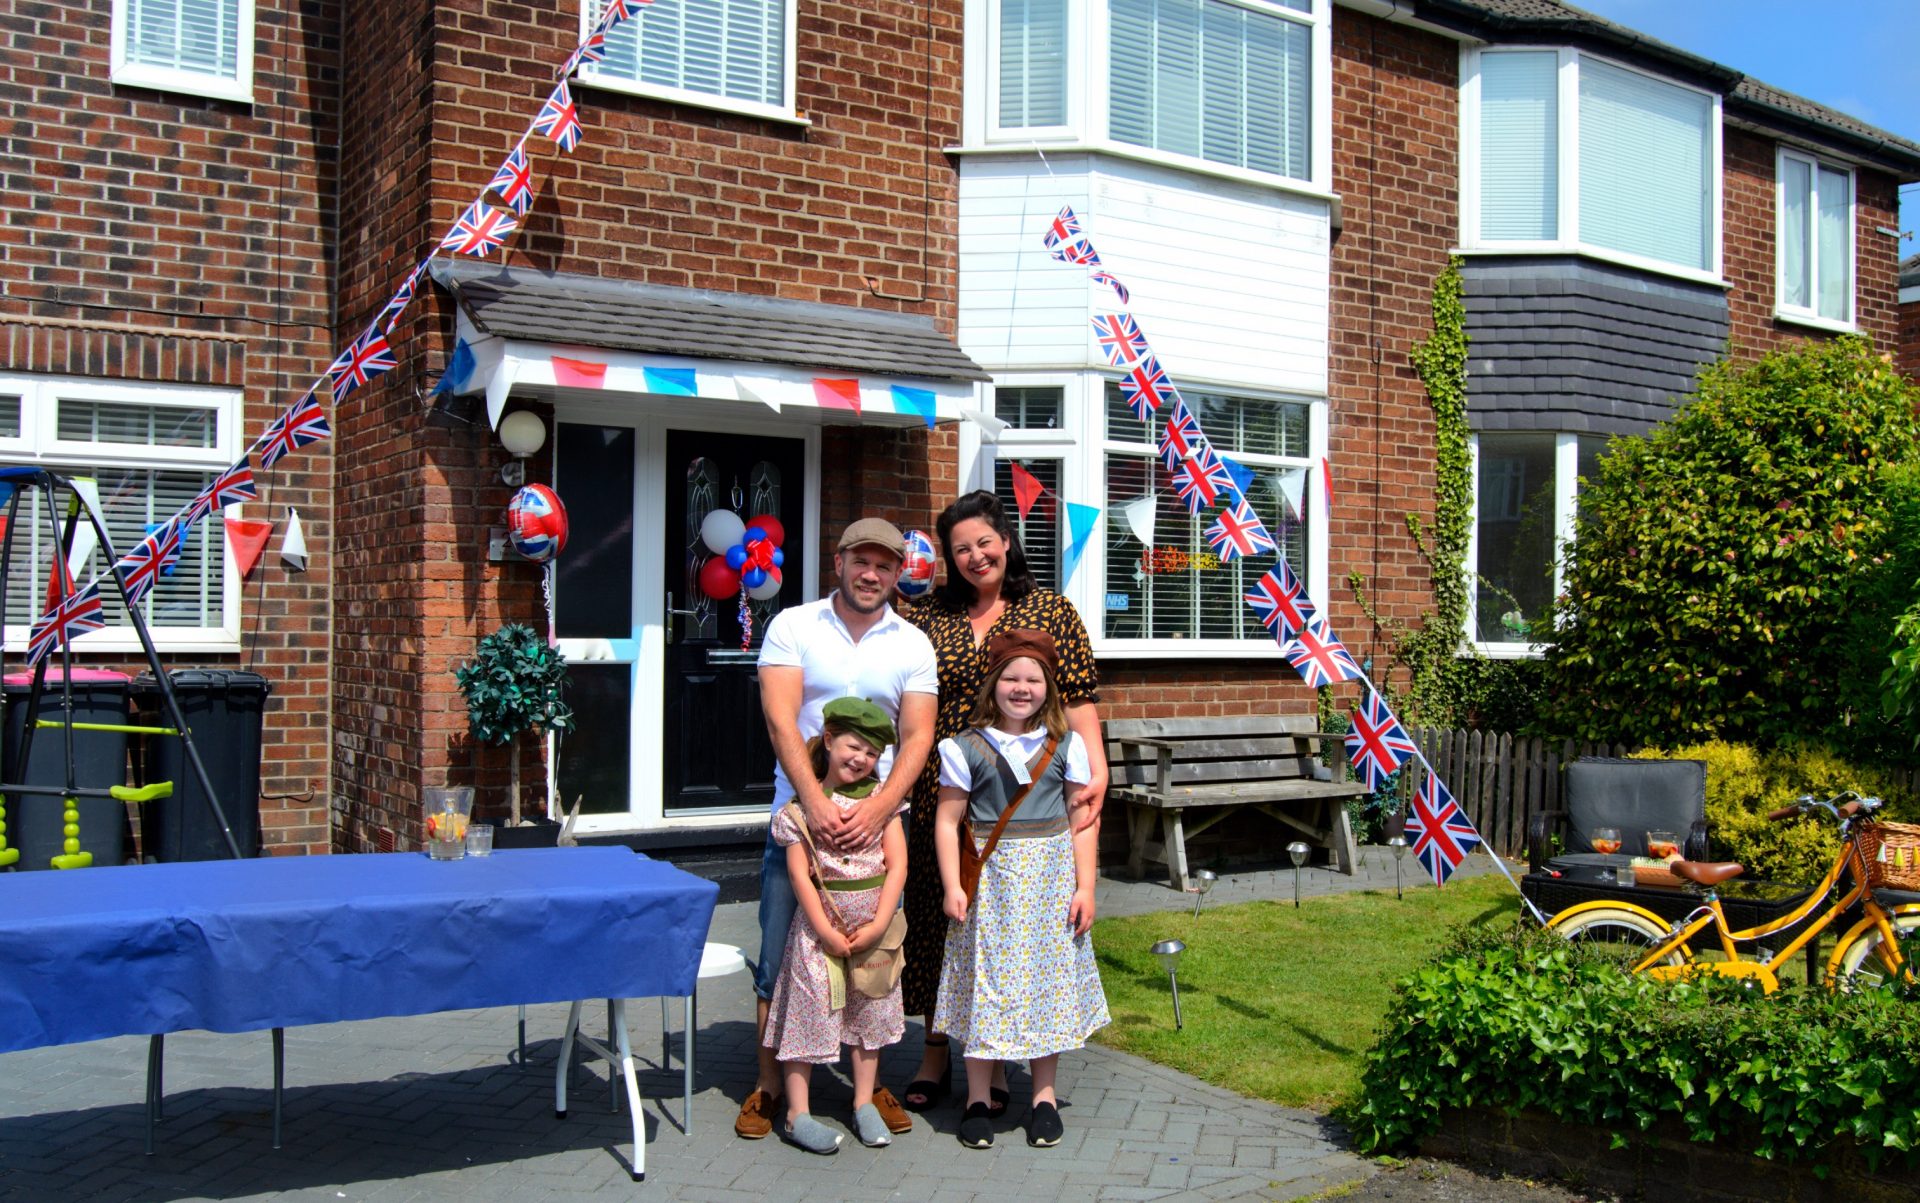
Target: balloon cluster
(746, 555)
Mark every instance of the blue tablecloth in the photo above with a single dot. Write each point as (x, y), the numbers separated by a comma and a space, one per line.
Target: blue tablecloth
(236, 946)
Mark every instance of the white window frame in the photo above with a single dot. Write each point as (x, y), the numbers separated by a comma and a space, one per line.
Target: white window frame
(1566, 484)
(587, 75)
(39, 443)
(1811, 316)
(172, 79)
(1567, 146)
(1028, 443)
(1087, 95)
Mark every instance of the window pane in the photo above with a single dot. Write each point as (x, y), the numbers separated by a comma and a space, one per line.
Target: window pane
(594, 756)
(1644, 166)
(1039, 531)
(1211, 80)
(139, 425)
(1033, 63)
(9, 417)
(1836, 272)
(1028, 408)
(729, 48)
(201, 36)
(1796, 233)
(1519, 146)
(594, 594)
(1236, 425)
(1515, 535)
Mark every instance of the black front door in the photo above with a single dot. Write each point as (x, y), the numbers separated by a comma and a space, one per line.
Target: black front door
(715, 743)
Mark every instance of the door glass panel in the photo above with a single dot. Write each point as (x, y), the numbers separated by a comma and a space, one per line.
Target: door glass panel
(703, 497)
(594, 764)
(594, 597)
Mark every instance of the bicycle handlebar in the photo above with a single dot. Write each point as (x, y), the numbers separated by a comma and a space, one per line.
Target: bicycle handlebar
(1840, 811)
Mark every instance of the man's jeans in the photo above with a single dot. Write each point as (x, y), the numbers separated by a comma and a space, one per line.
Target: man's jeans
(777, 907)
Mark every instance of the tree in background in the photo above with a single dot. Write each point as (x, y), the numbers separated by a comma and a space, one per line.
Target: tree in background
(1737, 572)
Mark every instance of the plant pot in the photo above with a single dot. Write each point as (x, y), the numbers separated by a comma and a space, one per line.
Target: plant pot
(540, 833)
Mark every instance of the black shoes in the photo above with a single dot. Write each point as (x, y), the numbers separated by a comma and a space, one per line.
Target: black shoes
(976, 1130)
(1044, 1128)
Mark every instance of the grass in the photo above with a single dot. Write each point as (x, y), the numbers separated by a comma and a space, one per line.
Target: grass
(1279, 1003)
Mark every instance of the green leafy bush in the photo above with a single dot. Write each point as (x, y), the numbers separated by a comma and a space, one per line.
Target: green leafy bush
(1522, 1020)
(1730, 574)
(1744, 785)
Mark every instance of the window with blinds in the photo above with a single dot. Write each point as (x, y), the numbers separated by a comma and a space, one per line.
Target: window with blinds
(1177, 587)
(1032, 56)
(733, 50)
(1520, 146)
(1039, 531)
(1815, 239)
(1028, 407)
(1223, 82)
(196, 37)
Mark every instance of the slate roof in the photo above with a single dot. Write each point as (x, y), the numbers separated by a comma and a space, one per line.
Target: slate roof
(589, 311)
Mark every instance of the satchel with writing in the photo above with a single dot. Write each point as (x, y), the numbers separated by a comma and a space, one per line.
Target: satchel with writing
(874, 972)
(973, 860)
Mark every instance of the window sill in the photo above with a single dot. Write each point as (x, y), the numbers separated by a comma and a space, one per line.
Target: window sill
(128, 644)
(1651, 266)
(164, 79)
(703, 100)
(1187, 649)
(1509, 651)
(1814, 322)
(1121, 150)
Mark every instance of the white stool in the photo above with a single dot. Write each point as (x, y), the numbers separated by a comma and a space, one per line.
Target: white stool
(716, 960)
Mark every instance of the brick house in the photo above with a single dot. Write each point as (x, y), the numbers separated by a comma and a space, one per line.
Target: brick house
(807, 191)
(1909, 337)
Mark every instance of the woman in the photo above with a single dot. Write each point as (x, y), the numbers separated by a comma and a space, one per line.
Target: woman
(988, 589)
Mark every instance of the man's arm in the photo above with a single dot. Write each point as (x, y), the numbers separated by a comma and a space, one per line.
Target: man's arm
(782, 692)
(917, 714)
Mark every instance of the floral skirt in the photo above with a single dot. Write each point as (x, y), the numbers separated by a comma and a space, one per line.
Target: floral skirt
(1016, 983)
(802, 1024)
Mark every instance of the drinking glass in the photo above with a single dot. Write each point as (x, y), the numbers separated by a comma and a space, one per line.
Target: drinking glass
(1662, 844)
(480, 839)
(1605, 840)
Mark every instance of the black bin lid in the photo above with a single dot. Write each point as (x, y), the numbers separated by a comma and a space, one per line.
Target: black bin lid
(205, 680)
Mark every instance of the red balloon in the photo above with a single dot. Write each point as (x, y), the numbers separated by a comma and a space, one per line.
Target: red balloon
(719, 581)
(776, 533)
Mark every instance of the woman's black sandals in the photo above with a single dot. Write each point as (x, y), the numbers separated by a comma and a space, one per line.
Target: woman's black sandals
(1044, 1128)
(976, 1130)
(997, 1100)
(925, 1093)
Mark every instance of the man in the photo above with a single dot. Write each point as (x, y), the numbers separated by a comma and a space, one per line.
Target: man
(848, 644)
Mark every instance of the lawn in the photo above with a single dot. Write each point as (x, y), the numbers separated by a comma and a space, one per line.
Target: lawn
(1279, 1003)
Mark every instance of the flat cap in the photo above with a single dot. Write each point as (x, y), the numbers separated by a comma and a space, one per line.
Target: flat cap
(874, 532)
(1009, 645)
(860, 717)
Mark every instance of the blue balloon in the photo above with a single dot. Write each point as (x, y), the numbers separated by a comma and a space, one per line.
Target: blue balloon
(779, 558)
(754, 535)
(736, 556)
(753, 578)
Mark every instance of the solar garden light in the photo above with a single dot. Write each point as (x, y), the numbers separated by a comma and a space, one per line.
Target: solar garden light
(1168, 952)
(1202, 882)
(522, 433)
(1399, 845)
(1298, 851)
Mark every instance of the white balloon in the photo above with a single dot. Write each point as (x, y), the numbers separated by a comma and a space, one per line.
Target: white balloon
(721, 530)
(769, 588)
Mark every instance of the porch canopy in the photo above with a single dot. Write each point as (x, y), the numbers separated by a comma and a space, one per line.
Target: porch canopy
(558, 336)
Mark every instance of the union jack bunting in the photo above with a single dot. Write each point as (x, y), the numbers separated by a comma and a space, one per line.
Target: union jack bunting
(619, 10)
(77, 615)
(1181, 436)
(481, 230)
(1377, 744)
(1201, 480)
(593, 50)
(514, 181)
(1112, 281)
(1065, 227)
(1319, 656)
(1439, 832)
(1120, 337)
(402, 297)
(559, 119)
(303, 422)
(140, 569)
(368, 356)
(1145, 386)
(1238, 532)
(1282, 603)
(229, 488)
(1078, 251)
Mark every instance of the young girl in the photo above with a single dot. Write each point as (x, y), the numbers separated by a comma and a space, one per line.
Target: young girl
(1019, 980)
(803, 1025)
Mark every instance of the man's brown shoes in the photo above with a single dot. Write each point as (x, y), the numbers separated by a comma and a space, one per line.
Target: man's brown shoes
(756, 1116)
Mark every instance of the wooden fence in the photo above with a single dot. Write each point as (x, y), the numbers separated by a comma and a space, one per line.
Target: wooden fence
(1500, 779)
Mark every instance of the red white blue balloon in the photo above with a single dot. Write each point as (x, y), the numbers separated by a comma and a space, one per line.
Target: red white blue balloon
(537, 523)
(916, 570)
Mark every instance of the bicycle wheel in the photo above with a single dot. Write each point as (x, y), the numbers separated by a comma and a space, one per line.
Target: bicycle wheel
(1626, 932)
(1856, 964)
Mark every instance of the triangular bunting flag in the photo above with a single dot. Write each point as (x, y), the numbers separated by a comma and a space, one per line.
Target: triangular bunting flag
(672, 382)
(1026, 487)
(914, 401)
(837, 394)
(293, 547)
(578, 373)
(247, 537)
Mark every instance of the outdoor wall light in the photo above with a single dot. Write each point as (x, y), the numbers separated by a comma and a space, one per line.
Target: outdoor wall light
(1399, 845)
(1298, 851)
(1203, 880)
(1168, 952)
(522, 433)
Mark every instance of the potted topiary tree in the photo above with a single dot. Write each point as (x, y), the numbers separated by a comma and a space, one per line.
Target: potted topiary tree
(514, 683)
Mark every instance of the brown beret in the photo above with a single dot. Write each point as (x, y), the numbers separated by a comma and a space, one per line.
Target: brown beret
(1008, 645)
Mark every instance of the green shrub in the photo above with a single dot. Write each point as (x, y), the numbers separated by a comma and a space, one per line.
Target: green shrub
(1734, 571)
(1745, 785)
(1522, 1020)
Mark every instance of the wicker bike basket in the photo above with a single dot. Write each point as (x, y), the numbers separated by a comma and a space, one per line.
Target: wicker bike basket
(1893, 855)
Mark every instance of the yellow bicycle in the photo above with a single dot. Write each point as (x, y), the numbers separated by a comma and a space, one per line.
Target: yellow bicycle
(1869, 955)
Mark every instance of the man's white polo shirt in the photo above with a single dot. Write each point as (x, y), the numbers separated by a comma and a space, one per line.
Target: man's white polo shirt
(893, 658)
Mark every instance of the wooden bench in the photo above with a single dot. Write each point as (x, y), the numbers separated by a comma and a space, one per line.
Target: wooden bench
(1162, 768)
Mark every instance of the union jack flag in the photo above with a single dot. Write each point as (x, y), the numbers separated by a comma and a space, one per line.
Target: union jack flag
(1377, 744)
(78, 614)
(1201, 480)
(481, 230)
(402, 297)
(1112, 281)
(1282, 603)
(1065, 227)
(368, 356)
(619, 10)
(514, 181)
(229, 488)
(304, 422)
(1319, 656)
(140, 569)
(593, 50)
(1120, 338)
(1145, 386)
(1238, 532)
(559, 119)
(1181, 436)
(1440, 834)
(1078, 251)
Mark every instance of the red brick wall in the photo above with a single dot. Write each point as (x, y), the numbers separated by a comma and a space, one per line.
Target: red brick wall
(1908, 353)
(154, 236)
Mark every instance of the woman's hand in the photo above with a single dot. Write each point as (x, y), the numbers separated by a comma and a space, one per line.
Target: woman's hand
(1080, 914)
(1085, 803)
(956, 905)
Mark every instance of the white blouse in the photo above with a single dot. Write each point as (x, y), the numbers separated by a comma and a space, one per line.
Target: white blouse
(1018, 749)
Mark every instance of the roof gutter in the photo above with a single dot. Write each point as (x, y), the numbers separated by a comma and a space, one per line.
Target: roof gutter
(1401, 12)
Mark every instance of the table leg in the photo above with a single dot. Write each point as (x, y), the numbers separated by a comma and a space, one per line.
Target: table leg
(618, 1008)
(565, 1062)
(279, 1078)
(686, 1055)
(523, 1035)
(156, 1060)
(613, 1087)
(666, 1048)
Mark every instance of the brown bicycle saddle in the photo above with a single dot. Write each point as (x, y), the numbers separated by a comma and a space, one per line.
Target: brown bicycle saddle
(1706, 873)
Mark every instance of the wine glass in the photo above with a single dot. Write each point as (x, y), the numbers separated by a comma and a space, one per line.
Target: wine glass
(1662, 844)
(1605, 840)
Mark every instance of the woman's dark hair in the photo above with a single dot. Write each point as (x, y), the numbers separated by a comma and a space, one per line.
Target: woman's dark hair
(958, 590)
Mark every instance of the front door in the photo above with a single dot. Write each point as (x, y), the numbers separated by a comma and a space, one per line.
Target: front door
(714, 741)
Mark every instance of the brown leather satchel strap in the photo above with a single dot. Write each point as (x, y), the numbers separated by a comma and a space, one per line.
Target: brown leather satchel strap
(1045, 762)
(813, 867)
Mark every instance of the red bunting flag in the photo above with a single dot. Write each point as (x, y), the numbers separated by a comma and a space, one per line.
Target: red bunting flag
(837, 394)
(247, 537)
(578, 373)
(1026, 488)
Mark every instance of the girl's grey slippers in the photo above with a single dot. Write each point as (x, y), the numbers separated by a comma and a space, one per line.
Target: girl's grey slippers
(871, 1128)
(810, 1134)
